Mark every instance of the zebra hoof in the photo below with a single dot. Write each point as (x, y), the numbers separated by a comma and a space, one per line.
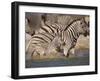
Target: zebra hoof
(67, 55)
(62, 54)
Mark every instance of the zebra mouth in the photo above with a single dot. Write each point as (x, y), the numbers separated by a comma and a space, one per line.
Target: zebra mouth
(59, 49)
(86, 34)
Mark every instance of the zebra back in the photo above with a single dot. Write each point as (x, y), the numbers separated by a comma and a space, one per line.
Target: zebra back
(67, 19)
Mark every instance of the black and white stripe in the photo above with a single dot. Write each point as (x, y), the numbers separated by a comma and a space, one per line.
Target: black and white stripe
(41, 42)
(71, 33)
(65, 20)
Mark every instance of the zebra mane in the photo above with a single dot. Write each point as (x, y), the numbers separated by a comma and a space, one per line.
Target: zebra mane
(71, 24)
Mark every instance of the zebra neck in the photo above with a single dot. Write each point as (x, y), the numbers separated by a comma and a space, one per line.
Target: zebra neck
(74, 34)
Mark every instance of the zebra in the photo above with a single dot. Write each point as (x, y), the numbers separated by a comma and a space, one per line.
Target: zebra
(32, 22)
(71, 33)
(42, 42)
(65, 20)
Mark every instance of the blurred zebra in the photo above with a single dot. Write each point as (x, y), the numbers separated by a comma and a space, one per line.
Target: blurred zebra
(42, 42)
(65, 20)
(71, 33)
(61, 19)
(32, 22)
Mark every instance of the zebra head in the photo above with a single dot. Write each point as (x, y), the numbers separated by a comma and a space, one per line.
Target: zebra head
(83, 27)
(29, 30)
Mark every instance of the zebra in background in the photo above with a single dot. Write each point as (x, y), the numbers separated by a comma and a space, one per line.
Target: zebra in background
(62, 20)
(71, 33)
(32, 22)
(65, 20)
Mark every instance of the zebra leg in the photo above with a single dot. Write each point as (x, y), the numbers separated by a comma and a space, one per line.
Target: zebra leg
(29, 55)
(72, 51)
(34, 53)
(68, 54)
(65, 51)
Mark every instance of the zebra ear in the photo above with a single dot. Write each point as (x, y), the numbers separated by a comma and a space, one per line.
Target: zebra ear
(43, 16)
(28, 20)
(87, 20)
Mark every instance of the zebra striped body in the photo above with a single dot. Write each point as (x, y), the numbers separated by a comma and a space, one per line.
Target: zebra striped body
(72, 33)
(65, 20)
(42, 42)
(60, 19)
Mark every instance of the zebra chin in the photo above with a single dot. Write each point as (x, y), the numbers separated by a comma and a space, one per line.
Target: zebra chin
(66, 55)
(86, 34)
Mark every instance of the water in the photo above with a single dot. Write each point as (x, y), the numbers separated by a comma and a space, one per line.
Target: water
(81, 58)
